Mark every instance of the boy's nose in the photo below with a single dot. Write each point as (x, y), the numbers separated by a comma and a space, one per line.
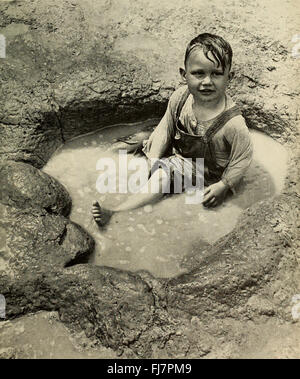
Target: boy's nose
(206, 80)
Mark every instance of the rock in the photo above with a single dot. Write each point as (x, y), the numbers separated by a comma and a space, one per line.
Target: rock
(36, 241)
(261, 306)
(23, 186)
(115, 306)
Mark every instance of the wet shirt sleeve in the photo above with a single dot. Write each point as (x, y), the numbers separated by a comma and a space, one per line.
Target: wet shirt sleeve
(241, 151)
(161, 138)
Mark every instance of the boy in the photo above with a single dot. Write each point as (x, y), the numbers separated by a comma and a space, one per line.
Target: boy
(201, 121)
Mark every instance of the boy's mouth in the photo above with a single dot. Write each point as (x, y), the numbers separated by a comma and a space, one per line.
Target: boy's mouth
(206, 91)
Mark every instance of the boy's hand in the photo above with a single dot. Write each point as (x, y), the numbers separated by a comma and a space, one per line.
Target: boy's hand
(214, 194)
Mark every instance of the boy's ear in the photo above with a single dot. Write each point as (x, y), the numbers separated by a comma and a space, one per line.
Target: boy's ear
(182, 74)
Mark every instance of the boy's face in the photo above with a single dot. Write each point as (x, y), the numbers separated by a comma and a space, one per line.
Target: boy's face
(206, 81)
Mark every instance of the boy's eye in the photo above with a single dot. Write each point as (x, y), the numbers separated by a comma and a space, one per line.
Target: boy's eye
(201, 74)
(198, 73)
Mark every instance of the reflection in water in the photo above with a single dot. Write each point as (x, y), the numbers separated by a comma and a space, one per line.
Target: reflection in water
(156, 238)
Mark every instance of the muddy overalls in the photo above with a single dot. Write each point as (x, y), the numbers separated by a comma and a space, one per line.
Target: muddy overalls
(192, 146)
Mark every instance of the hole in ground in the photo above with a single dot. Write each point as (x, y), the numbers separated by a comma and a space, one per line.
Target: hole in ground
(157, 238)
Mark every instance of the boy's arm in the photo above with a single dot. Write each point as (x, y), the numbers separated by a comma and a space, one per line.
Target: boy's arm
(238, 137)
(161, 138)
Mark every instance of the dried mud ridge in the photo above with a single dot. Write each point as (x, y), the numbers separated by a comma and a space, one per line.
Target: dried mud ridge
(251, 273)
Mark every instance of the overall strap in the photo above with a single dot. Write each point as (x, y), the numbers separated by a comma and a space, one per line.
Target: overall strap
(181, 103)
(222, 120)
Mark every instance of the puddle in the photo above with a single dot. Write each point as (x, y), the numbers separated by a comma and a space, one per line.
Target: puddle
(156, 238)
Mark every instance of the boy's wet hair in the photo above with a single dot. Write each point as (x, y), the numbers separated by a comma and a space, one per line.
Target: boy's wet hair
(219, 48)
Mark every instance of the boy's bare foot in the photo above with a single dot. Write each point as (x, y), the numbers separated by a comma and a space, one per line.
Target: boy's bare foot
(101, 215)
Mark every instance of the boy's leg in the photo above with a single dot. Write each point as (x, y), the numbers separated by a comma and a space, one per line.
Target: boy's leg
(153, 190)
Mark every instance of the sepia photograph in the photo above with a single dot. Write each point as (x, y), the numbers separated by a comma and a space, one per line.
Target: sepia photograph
(149, 182)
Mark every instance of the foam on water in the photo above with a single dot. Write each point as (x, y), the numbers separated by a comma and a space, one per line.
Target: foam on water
(156, 238)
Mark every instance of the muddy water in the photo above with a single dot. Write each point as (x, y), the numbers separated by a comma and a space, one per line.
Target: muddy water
(156, 238)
